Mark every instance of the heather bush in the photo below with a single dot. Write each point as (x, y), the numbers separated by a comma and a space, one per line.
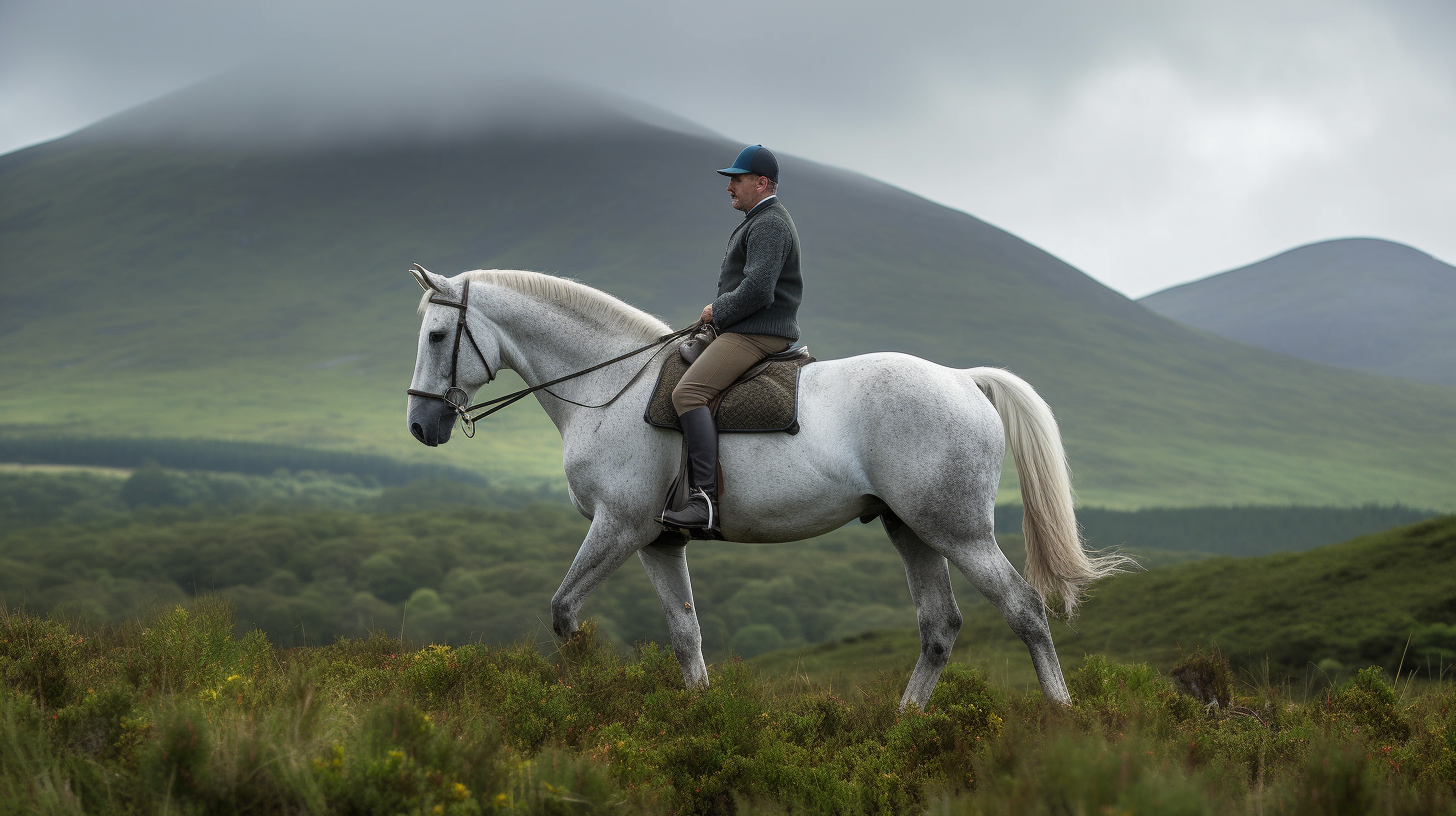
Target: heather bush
(178, 715)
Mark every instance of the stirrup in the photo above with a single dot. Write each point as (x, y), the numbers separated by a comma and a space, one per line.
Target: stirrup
(711, 512)
(695, 493)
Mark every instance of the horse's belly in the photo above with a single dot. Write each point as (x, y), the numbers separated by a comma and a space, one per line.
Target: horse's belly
(785, 488)
(766, 522)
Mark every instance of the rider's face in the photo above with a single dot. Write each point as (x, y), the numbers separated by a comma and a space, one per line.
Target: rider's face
(747, 189)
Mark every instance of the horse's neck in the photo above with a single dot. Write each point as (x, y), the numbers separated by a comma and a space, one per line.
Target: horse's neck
(542, 341)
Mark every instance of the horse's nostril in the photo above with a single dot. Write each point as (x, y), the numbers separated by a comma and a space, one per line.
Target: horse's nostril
(418, 430)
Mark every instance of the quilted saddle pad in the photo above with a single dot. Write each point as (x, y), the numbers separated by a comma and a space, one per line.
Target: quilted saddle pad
(764, 400)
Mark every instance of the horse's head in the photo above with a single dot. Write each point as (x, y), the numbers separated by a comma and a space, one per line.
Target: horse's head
(450, 359)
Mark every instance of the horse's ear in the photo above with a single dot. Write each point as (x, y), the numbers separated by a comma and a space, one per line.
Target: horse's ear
(422, 277)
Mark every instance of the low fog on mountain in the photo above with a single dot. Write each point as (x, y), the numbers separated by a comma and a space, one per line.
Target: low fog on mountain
(1147, 143)
(303, 106)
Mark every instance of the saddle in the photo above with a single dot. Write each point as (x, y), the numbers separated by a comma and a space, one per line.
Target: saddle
(764, 400)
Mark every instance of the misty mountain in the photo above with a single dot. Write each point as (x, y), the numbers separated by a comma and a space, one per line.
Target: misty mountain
(168, 274)
(1358, 303)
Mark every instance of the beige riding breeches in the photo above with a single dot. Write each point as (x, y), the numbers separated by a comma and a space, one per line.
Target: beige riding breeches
(722, 362)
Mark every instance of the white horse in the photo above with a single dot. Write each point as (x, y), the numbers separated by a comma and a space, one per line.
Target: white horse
(918, 444)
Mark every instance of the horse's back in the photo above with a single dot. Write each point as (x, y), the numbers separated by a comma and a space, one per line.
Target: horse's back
(913, 425)
(892, 389)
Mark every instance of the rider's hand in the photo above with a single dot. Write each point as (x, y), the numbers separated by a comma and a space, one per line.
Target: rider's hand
(708, 313)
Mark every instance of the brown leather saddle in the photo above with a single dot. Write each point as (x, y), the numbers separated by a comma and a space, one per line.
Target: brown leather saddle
(764, 400)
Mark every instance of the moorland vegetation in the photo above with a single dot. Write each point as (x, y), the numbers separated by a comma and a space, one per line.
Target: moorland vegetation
(175, 714)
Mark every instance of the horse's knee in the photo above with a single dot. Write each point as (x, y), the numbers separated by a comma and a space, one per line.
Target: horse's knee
(938, 635)
(940, 621)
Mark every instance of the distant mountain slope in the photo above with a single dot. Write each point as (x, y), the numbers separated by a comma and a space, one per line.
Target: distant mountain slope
(1358, 303)
(161, 283)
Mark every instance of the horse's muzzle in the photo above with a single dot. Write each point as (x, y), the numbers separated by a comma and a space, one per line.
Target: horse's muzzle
(431, 421)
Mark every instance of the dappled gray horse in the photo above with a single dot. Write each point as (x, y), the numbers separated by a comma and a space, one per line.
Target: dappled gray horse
(918, 444)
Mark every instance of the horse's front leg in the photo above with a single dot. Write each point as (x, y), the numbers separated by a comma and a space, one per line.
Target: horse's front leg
(666, 562)
(608, 544)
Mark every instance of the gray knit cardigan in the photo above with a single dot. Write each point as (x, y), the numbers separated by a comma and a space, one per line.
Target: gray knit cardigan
(760, 285)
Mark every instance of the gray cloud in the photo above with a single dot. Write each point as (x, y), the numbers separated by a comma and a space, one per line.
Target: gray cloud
(1146, 142)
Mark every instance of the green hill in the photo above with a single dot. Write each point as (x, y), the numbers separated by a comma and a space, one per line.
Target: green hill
(1359, 303)
(1386, 599)
(163, 285)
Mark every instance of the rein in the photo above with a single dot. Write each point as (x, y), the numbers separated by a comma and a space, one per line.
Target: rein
(466, 414)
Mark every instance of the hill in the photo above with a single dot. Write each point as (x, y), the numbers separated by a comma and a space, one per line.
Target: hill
(1385, 599)
(166, 282)
(1357, 303)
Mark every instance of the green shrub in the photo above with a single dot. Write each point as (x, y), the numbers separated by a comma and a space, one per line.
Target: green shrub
(1369, 708)
(176, 762)
(39, 657)
(192, 649)
(1204, 676)
(1117, 696)
(400, 760)
(100, 725)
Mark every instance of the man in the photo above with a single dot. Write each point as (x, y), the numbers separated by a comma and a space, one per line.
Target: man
(755, 314)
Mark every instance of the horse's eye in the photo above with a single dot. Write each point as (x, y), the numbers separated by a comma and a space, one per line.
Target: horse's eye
(436, 336)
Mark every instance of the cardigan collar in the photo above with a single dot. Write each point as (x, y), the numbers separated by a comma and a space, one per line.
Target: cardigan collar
(761, 206)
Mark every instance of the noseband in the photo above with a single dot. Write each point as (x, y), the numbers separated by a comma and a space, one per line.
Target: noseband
(455, 396)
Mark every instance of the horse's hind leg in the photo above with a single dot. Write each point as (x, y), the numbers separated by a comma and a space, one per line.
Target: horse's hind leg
(666, 562)
(936, 612)
(982, 562)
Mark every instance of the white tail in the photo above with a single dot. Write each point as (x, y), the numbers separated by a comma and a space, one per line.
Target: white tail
(1057, 563)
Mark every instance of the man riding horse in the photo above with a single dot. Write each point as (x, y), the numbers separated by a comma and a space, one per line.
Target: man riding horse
(755, 314)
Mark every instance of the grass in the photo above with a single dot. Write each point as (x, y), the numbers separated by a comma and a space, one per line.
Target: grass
(258, 297)
(177, 715)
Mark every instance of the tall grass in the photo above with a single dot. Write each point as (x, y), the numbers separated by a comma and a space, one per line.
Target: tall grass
(179, 716)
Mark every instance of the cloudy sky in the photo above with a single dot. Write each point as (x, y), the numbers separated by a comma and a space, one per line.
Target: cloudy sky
(1147, 143)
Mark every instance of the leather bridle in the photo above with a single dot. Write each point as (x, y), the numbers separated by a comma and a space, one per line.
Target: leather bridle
(455, 396)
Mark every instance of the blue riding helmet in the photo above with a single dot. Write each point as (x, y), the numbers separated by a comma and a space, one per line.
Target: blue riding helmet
(755, 159)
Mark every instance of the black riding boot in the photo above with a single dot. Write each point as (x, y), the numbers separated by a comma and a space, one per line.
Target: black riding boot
(700, 438)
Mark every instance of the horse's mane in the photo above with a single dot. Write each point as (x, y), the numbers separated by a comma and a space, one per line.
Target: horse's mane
(571, 295)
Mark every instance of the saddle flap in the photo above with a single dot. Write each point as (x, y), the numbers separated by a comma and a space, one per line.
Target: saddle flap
(764, 400)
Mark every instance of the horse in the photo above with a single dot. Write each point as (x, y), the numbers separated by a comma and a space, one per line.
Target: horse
(886, 434)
